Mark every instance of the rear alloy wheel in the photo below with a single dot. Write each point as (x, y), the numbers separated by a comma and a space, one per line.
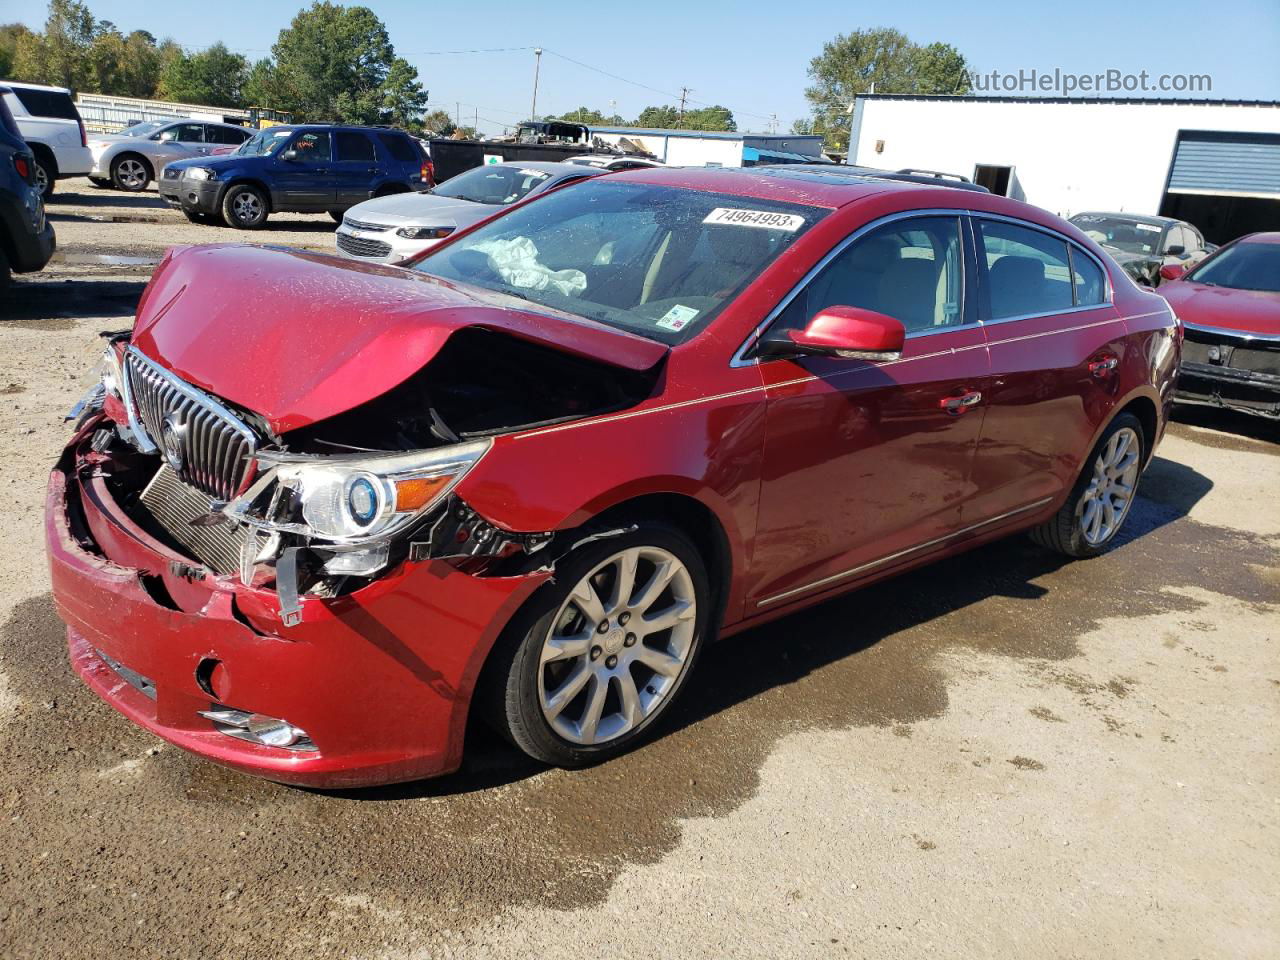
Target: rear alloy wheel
(244, 207)
(43, 180)
(1101, 499)
(130, 173)
(600, 655)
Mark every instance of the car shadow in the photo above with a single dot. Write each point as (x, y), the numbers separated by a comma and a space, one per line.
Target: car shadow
(1228, 421)
(779, 654)
(108, 198)
(52, 305)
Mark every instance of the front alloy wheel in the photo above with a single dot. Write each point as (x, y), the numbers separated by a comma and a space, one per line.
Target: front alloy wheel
(601, 654)
(131, 174)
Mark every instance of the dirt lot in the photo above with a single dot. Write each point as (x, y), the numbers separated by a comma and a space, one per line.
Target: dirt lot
(1001, 755)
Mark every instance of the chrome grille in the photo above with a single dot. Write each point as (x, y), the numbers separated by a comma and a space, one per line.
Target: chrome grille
(207, 445)
(365, 225)
(361, 247)
(175, 504)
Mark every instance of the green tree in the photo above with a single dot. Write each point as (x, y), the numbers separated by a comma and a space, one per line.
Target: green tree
(716, 118)
(882, 58)
(261, 85)
(591, 118)
(215, 77)
(335, 62)
(10, 35)
(662, 118)
(439, 123)
(61, 55)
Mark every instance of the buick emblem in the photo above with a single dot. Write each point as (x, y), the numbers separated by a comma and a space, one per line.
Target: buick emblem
(173, 439)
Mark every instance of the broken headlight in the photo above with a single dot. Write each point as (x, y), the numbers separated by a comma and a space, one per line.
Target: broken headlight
(352, 499)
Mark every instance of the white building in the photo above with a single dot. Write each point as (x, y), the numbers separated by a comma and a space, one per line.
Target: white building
(702, 148)
(1214, 163)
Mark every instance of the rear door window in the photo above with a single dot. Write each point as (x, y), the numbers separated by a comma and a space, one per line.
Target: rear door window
(216, 134)
(1028, 272)
(400, 148)
(47, 103)
(354, 147)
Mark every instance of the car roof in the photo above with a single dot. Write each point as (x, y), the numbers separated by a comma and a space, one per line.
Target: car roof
(547, 166)
(811, 185)
(1268, 237)
(1134, 217)
(35, 86)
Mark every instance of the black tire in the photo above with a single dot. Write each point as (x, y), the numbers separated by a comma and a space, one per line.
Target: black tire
(336, 215)
(244, 207)
(1064, 532)
(510, 691)
(205, 219)
(131, 173)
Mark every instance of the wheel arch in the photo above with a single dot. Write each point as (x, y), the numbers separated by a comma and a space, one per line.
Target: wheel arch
(1145, 409)
(45, 155)
(146, 161)
(388, 188)
(242, 180)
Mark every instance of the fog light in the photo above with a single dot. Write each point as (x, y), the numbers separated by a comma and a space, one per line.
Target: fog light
(358, 563)
(258, 728)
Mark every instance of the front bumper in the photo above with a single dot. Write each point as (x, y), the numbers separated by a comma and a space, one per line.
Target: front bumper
(194, 196)
(380, 680)
(382, 246)
(1233, 389)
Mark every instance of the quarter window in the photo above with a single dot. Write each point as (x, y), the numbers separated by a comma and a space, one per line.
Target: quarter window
(1028, 272)
(912, 270)
(400, 147)
(1088, 280)
(354, 147)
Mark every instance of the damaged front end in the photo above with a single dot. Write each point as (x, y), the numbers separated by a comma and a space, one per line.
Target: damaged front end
(324, 509)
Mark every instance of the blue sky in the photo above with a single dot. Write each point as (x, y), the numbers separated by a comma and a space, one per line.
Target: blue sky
(750, 56)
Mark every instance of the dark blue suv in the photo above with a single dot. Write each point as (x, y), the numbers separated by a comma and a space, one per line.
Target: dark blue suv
(26, 237)
(305, 168)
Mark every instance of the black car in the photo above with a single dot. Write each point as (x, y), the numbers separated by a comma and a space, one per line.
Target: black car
(301, 168)
(26, 237)
(1142, 244)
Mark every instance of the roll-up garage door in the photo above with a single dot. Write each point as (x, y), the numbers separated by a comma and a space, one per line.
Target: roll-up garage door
(1226, 164)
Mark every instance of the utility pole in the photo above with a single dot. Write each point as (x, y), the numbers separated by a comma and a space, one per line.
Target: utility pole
(457, 114)
(684, 95)
(773, 123)
(477, 123)
(537, 66)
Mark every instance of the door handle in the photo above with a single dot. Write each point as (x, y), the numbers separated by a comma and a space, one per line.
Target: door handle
(1103, 366)
(959, 404)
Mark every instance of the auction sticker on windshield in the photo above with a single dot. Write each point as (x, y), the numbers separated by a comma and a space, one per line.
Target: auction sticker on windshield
(678, 317)
(789, 222)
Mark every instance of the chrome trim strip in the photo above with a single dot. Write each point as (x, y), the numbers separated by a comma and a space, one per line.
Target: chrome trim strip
(1236, 334)
(901, 553)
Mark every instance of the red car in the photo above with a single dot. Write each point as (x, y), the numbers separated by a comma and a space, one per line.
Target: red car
(307, 529)
(1230, 306)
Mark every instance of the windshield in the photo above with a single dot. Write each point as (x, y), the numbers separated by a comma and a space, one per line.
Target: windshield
(266, 142)
(141, 129)
(497, 184)
(1130, 236)
(654, 260)
(1243, 266)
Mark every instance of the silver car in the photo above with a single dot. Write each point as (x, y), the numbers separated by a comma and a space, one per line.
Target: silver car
(394, 228)
(132, 159)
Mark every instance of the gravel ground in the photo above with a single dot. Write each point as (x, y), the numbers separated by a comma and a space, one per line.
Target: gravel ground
(1000, 755)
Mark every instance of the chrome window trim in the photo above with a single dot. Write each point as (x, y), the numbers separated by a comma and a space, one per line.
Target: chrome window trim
(739, 358)
(1236, 334)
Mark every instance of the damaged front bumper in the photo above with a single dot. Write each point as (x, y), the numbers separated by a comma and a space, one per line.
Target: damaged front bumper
(376, 683)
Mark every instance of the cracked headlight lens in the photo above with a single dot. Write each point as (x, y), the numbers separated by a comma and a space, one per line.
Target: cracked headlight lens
(355, 498)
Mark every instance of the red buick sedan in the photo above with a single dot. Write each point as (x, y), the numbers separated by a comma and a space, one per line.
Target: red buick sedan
(318, 513)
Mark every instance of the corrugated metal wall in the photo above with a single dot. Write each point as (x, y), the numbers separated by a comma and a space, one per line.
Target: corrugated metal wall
(1228, 164)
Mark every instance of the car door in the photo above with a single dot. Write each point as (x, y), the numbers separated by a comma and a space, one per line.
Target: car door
(355, 167)
(1055, 342)
(191, 139)
(303, 173)
(867, 464)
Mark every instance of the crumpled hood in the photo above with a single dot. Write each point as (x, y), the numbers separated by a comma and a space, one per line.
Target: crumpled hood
(1249, 311)
(298, 337)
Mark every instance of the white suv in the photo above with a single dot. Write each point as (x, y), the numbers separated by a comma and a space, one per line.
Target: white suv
(51, 125)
